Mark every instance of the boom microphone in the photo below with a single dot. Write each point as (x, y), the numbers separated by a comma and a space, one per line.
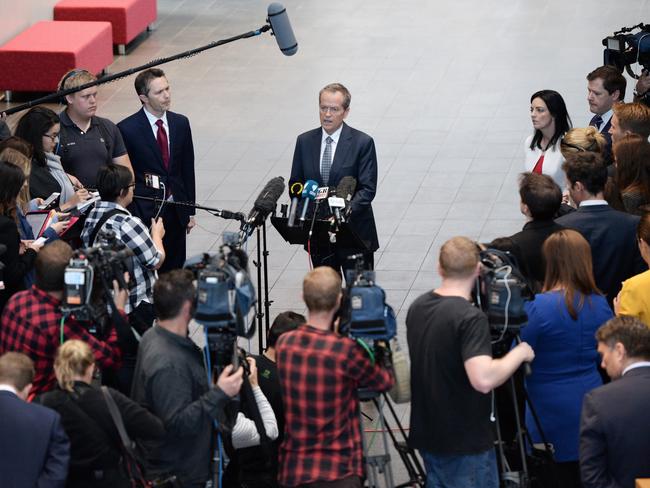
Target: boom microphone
(265, 202)
(281, 28)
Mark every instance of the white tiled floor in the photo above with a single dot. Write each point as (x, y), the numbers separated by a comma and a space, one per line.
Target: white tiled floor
(442, 86)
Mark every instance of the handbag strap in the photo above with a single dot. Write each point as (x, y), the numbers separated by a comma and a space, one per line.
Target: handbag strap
(117, 420)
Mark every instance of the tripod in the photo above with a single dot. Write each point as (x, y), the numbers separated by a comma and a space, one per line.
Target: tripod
(522, 477)
(380, 464)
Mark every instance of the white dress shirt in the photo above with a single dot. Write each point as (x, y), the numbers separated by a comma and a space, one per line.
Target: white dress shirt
(152, 122)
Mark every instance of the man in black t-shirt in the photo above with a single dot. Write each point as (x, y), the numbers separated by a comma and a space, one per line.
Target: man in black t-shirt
(87, 143)
(452, 373)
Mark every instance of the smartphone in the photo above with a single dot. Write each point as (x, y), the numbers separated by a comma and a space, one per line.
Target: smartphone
(52, 199)
(152, 181)
(40, 241)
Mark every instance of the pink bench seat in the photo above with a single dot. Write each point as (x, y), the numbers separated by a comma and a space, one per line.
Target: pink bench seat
(37, 58)
(128, 17)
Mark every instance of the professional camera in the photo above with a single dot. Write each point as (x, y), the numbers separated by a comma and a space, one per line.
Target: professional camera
(225, 297)
(364, 313)
(88, 280)
(501, 291)
(626, 47)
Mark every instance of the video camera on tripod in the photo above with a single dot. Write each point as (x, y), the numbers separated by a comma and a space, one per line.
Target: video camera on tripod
(627, 47)
(364, 311)
(224, 298)
(88, 281)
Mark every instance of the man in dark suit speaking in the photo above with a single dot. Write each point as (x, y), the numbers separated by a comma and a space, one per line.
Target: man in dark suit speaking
(159, 142)
(614, 430)
(326, 155)
(34, 449)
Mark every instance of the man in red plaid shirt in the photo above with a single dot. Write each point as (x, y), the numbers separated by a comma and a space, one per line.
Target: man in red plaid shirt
(320, 372)
(31, 320)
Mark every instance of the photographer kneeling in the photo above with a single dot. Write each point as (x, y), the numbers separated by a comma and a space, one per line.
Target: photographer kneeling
(32, 320)
(172, 382)
(115, 185)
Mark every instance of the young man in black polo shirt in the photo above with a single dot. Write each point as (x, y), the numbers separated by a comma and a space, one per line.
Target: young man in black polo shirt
(453, 373)
(87, 143)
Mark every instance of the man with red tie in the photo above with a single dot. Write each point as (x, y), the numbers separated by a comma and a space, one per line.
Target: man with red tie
(159, 143)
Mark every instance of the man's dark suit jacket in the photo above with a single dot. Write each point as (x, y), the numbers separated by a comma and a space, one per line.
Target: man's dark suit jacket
(179, 180)
(528, 248)
(615, 432)
(355, 156)
(607, 151)
(34, 450)
(612, 238)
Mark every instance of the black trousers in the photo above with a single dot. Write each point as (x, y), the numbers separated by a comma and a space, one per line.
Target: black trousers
(175, 237)
(326, 254)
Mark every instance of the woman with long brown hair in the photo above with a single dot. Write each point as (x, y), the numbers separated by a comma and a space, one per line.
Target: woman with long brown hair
(632, 158)
(562, 322)
(17, 258)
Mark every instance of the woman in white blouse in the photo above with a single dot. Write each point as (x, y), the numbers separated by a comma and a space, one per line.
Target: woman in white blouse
(551, 121)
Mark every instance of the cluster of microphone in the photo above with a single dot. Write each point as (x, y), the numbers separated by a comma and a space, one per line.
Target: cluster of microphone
(338, 199)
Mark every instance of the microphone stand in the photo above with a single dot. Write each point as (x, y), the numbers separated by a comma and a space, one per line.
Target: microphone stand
(123, 74)
(217, 212)
(262, 262)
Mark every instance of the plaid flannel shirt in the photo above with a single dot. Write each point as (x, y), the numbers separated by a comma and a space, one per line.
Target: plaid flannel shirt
(320, 372)
(31, 324)
(135, 235)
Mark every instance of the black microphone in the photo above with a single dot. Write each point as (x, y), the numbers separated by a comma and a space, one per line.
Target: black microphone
(345, 190)
(281, 28)
(295, 191)
(227, 214)
(265, 202)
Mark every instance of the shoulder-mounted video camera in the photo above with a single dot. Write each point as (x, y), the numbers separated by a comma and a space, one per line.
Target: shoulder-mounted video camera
(225, 297)
(88, 279)
(627, 47)
(501, 291)
(364, 311)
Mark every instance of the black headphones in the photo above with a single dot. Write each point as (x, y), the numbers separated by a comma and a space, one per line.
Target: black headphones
(69, 75)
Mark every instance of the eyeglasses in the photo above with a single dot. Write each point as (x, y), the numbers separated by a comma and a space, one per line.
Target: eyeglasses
(332, 110)
(53, 137)
(132, 185)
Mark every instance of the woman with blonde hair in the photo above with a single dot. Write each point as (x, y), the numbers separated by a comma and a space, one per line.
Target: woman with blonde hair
(581, 139)
(562, 322)
(95, 445)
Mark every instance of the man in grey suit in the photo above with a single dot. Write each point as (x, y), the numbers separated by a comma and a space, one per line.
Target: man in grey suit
(614, 430)
(34, 449)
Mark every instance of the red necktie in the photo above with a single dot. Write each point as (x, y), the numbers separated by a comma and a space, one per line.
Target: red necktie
(163, 144)
(538, 166)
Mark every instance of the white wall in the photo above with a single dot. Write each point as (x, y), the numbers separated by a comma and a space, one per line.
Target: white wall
(18, 15)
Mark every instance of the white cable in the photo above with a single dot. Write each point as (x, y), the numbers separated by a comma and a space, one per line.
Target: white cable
(162, 185)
